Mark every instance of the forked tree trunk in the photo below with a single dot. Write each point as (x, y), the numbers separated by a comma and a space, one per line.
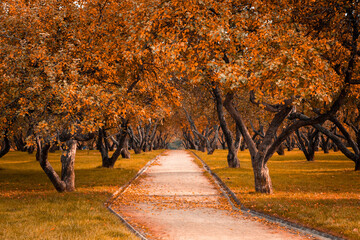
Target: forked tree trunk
(109, 162)
(232, 158)
(212, 145)
(260, 154)
(308, 143)
(324, 144)
(67, 181)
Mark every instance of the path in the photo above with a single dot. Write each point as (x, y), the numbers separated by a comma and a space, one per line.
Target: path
(173, 199)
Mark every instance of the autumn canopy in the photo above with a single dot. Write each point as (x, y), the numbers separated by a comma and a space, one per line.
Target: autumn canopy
(110, 71)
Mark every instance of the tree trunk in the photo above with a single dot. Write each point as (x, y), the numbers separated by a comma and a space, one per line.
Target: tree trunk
(263, 182)
(19, 143)
(260, 154)
(213, 143)
(67, 181)
(202, 146)
(125, 153)
(232, 158)
(335, 148)
(6, 146)
(68, 164)
(137, 150)
(108, 162)
(308, 144)
(357, 165)
(324, 144)
(280, 150)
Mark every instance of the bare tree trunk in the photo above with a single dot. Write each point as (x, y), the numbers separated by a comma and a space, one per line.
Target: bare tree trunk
(67, 181)
(202, 140)
(308, 143)
(259, 154)
(232, 158)
(125, 153)
(109, 162)
(213, 143)
(68, 164)
(263, 182)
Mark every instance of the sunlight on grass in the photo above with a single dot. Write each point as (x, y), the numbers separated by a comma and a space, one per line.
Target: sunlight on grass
(324, 194)
(30, 208)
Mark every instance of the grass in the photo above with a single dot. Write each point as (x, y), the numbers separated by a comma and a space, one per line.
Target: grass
(324, 194)
(30, 207)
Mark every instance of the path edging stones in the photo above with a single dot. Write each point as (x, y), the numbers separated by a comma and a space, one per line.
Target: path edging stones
(232, 198)
(115, 195)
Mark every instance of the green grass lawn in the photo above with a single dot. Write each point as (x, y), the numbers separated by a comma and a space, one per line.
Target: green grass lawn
(324, 194)
(30, 207)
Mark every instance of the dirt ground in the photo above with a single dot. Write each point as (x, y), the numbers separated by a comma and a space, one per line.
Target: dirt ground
(173, 199)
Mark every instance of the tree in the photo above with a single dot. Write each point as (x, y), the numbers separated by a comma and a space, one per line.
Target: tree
(67, 70)
(233, 147)
(308, 142)
(5, 146)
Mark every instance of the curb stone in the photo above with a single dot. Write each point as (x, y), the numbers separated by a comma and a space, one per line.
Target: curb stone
(230, 195)
(116, 194)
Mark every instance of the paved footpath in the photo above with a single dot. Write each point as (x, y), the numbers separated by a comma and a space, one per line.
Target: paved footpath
(174, 199)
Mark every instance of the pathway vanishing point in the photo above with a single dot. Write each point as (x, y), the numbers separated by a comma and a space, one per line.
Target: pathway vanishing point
(174, 199)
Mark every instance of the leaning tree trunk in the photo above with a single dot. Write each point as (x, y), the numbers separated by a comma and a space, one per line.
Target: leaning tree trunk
(67, 181)
(232, 158)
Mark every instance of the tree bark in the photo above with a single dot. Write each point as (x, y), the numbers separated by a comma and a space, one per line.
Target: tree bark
(213, 143)
(67, 181)
(232, 158)
(125, 153)
(68, 165)
(262, 177)
(109, 162)
(259, 155)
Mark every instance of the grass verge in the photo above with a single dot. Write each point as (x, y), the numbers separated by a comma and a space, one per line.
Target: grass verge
(30, 207)
(324, 194)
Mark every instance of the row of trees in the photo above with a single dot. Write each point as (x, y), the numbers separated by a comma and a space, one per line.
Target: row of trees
(70, 70)
(308, 139)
